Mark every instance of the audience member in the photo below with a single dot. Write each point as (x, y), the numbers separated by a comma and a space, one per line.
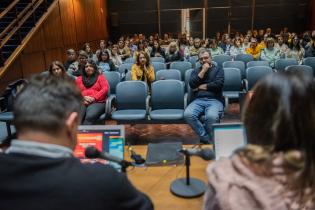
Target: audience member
(105, 63)
(276, 169)
(295, 50)
(56, 69)
(71, 58)
(254, 49)
(310, 52)
(94, 88)
(103, 47)
(88, 50)
(225, 44)
(39, 170)
(172, 53)
(142, 70)
(237, 48)
(141, 48)
(281, 46)
(77, 67)
(115, 57)
(215, 49)
(195, 49)
(157, 50)
(270, 53)
(123, 51)
(207, 84)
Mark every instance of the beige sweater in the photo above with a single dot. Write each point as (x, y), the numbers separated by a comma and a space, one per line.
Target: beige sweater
(233, 185)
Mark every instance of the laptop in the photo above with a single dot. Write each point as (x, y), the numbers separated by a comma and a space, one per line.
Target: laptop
(228, 137)
(106, 138)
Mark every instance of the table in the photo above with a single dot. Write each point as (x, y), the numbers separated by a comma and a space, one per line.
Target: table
(156, 181)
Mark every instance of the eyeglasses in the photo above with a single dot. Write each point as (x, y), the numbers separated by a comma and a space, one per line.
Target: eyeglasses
(204, 58)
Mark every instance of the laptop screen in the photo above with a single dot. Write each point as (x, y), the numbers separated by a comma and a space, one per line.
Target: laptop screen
(227, 138)
(106, 138)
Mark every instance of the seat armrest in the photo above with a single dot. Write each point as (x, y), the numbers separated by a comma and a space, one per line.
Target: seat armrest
(245, 84)
(226, 103)
(185, 100)
(2, 109)
(110, 102)
(147, 104)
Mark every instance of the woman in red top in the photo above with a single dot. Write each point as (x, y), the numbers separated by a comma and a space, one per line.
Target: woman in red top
(94, 88)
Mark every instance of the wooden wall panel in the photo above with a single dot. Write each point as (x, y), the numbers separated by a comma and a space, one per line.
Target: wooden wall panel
(68, 23)
(53, 30)
(33, 63)
(71, 23)
(80, 19)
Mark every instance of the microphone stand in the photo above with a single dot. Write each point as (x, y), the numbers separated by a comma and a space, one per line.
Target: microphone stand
(188, 187)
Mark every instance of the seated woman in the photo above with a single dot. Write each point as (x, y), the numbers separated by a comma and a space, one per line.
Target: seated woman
(157, 50)
(88, 50)
(94, 88)
(142, 70)
(270, 53)
(140, 48)
(57, 69)
(254, 49)
(215, 49)
(172, 53)
(115, 57)
(295, 50)
(104, 62)
(237, 48)
(275, 171)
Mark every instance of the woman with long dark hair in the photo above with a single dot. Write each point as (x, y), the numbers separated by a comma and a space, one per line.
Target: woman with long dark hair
(295, 50)
(57, 69)
(94, 88)
(157, 50)
(276, 170)
(105, 63)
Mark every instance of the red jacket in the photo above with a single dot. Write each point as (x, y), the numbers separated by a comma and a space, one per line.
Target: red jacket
(98, 91)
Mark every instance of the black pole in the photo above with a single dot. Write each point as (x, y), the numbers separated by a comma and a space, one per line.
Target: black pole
(187, 163)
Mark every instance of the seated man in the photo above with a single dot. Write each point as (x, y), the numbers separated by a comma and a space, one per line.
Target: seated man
(38, 170)
(207, 82)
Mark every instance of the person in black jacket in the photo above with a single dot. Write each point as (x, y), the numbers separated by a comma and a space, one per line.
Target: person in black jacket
(38, 171)
(207, 83)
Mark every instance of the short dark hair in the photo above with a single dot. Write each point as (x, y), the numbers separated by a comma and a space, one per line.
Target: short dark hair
(45, 103)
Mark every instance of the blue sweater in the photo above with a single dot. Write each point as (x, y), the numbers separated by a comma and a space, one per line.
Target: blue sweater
(214, 78)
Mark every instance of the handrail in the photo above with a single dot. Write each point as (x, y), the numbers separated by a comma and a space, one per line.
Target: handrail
(26, 40)
(4, 12)
(19, 16)
(21, 23)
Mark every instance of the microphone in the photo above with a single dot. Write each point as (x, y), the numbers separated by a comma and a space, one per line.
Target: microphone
(136, 157)
(206, 153)
(92, 153)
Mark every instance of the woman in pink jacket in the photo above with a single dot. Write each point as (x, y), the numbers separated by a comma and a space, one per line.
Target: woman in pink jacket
(276, 170)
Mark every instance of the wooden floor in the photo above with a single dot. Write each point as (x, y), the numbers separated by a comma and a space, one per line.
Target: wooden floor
(143, 134)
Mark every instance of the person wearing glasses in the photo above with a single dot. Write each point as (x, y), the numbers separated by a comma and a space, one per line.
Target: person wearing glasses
(207, 83)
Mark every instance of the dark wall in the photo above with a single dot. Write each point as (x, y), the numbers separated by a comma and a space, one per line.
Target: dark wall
(141, 16)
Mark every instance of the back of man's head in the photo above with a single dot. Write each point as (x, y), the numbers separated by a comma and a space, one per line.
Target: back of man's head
(45, 104)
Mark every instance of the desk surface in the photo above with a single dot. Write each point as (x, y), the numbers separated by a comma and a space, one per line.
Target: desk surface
(156, 181)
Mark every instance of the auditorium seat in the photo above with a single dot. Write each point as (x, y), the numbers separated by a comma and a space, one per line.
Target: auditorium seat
(220, 59)
(310, 61)
(232, 84)
(236, 64)
(158, 66)
(257, 63)
(193, 60)
(130, 60)
(113, 79)
(167, 105)
(168, 74)
(253, 74)
(306, 69)
(131, 101)
(281, 64)
(244, 57)
(182, 66)
(157, 59)
(128, 76)
(125, 67)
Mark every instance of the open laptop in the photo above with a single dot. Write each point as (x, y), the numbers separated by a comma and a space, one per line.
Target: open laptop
(227, 138)
(106, 138)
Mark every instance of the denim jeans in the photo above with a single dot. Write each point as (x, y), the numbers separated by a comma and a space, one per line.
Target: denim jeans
(211, 109)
